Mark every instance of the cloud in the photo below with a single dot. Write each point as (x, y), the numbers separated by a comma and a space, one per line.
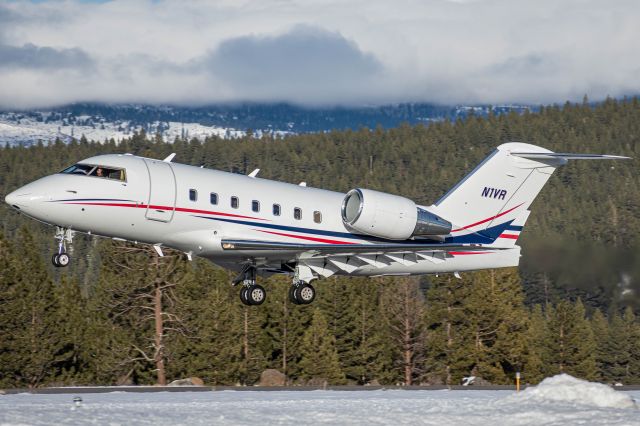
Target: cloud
(317, 51)
(34, 57)
(304, 64)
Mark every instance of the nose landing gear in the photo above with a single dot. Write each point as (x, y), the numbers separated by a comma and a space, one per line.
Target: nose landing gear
(61, 258)
(251, 294)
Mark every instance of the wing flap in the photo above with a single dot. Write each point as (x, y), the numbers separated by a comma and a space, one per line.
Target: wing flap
(256, 245)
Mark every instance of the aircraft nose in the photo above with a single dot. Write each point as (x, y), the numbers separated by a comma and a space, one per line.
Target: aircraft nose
(19, 199)
(12, 199)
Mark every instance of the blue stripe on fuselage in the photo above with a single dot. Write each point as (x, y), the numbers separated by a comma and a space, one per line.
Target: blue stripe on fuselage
(487, 236)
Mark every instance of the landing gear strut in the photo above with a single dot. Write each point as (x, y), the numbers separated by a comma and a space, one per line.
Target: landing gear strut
(61, 258)
(250, 293)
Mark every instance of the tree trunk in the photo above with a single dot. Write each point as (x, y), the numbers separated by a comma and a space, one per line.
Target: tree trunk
(159, 342)
(449, 337)
(285, 323)
(408, 352)
(245, 337)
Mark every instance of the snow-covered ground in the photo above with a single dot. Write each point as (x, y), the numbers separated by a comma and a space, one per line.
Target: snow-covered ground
(27, 130)
(562, 400)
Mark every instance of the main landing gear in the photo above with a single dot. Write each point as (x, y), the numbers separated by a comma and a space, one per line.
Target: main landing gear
(251, 294)
(61, 258)
(301, 293)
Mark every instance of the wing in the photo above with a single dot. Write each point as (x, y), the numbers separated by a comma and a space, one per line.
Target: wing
(327, 259)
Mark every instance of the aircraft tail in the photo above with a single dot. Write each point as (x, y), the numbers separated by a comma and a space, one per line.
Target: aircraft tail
(491, 204)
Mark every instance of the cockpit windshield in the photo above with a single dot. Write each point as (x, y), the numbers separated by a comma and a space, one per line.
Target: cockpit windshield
(96, 171)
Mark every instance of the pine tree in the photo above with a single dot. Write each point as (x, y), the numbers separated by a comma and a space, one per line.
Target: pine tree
(537, 347)
(600, 327)
(633, 330)
(33, 338)
(404, 313)
(319, 358)
(572, 345)
(211, 346)
(71, 360)
(8, 303)
(448, 335)
(623, 347)
(372, 359)
(136, 296)
(497, 319)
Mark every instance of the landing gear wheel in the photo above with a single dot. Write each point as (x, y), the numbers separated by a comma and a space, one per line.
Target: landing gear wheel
(256, 295)
(243, 295)
(60, 260)
(302, 294)
(305, 294)
(63, 260)
(292, 294)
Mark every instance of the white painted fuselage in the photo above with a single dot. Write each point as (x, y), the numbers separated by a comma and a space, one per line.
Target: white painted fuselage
(195, 210)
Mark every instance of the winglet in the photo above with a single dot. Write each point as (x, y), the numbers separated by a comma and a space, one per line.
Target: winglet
(169, 158)
(254, 173)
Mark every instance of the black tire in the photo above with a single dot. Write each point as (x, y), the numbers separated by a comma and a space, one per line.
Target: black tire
(305, 294)
(243, 295)
(292, 295)
(63, 260)
(256, 295)
(54, 260)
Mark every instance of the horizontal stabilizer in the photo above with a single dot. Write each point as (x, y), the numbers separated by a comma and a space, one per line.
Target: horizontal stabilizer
(565, 156)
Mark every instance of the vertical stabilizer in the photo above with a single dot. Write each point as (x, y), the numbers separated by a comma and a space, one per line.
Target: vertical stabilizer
(493, 200)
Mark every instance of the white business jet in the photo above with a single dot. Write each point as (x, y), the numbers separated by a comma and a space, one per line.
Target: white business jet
(259, 226)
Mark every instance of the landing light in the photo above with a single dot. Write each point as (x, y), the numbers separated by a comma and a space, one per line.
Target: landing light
(227, 246)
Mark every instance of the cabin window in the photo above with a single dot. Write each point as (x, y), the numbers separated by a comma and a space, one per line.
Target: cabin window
(276, 209)
(234, 202)
(297, 213)
(255, 206)
(96, 171)
(213, 198)
(193, 195)
(317, 217)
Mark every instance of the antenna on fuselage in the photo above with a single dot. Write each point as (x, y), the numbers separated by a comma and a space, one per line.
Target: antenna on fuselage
(169, 158)
(254, 173)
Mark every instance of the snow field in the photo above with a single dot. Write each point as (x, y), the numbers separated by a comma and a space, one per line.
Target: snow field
(561, 400)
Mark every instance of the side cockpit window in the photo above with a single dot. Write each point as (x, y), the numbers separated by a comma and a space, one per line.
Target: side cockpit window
(78, 169)
(97, 171)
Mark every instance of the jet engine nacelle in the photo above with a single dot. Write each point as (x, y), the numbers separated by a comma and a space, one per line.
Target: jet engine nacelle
(389, 216)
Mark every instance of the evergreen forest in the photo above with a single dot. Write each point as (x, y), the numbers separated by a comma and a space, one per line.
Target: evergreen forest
(122, 315)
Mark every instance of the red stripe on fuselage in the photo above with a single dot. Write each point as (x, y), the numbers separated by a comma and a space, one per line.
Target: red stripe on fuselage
(487, 219)
(301, 237)
(178, 209)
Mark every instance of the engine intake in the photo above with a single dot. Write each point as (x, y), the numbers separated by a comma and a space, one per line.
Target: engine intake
(389, 216)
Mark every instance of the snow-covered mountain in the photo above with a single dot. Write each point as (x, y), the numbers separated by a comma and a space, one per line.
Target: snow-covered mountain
(18, 128)
(105, 122)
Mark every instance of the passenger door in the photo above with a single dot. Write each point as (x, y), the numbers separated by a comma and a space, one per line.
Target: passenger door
(162, 191)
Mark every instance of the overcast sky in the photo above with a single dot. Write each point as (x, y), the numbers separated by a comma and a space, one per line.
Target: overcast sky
(317, 51)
